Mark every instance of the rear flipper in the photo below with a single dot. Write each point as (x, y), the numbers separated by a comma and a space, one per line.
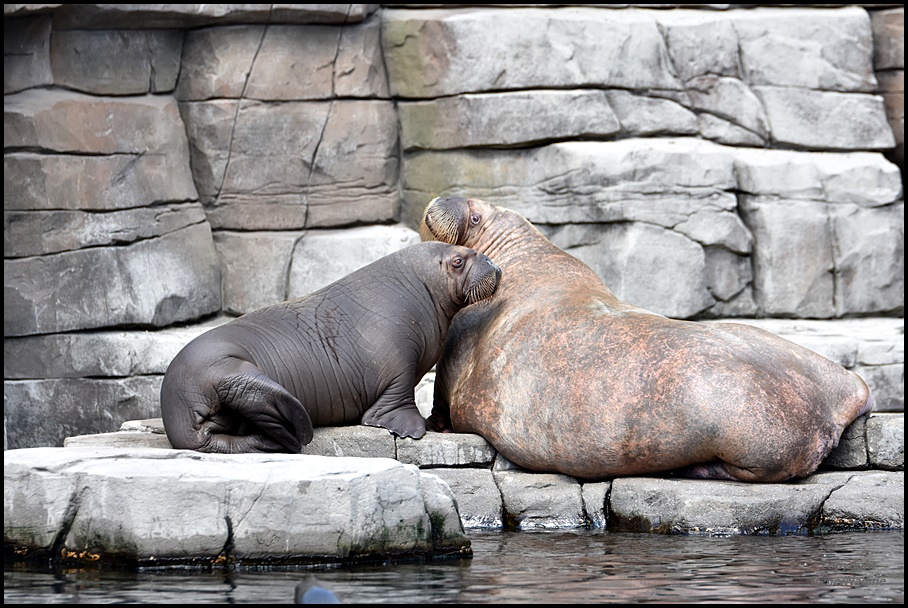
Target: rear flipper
(273, 419)
(239, 409)
(728, 472)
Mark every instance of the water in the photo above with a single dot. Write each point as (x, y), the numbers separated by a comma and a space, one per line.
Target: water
(582, 566)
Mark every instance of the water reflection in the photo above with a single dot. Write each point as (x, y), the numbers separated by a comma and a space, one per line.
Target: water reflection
(540, 567)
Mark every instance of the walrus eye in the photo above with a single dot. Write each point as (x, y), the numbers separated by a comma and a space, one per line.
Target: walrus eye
(457, 262)
(474, 218)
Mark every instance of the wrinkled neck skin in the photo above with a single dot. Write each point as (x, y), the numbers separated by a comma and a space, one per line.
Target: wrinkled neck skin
(509, 240)
(531, 263)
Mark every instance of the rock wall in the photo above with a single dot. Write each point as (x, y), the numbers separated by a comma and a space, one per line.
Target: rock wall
(167, 164)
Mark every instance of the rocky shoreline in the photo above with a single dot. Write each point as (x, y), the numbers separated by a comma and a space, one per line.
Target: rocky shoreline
(358, 493)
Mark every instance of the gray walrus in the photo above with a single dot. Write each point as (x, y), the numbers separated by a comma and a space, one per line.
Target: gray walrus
(352, 351)
(562, 376)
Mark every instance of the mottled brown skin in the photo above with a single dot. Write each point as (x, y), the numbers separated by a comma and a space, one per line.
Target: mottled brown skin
(562, 376)
(350, 352)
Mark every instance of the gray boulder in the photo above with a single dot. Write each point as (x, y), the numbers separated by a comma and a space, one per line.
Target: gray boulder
(539, 500)
(750, 232)
(886, 441)
(478, 498)
(164, 507)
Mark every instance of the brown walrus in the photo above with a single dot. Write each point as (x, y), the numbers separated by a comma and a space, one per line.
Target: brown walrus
(352, 351)
(562, 376)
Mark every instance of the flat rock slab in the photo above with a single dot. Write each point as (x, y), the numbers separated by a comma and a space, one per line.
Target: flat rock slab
(492, 493)
(151, 507)
(824, 501)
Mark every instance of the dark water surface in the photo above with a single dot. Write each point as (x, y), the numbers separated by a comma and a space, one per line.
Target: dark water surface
(544, 567)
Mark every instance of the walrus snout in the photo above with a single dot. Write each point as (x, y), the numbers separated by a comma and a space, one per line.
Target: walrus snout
(443, 220)
(486, 283)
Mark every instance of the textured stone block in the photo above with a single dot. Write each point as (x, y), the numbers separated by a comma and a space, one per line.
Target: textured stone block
(500, 119)
(446, 450)
(862, 178)
(537, 500)
(792, 258)
(28, 233)
(869, 258)
(869, 500)
(662, 181)
(26, 53)
(851, 453)
(95, 183)
(322, 257)
(433, 53)
(478, 499)
(675, 506)
(800, 117)
(886, 441)
(43, 413)
(282, 63)
(116, 62)
(65, 121)
(640, 115)
(98, 354)
(594, 502)
(818, 260)
(156, 282)
(701, 43)
(296, 164)
(802, 47)
(255, 268)
(355, 440)
(635, 260)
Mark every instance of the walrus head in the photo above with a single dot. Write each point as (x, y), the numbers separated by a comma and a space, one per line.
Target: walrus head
(474, 223)
(450, 219)
(474, 276)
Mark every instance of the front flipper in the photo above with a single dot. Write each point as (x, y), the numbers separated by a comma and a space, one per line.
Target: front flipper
(440, 419)
(275, 420)
(396, 410)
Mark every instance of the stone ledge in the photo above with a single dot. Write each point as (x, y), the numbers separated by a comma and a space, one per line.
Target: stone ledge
(491, 492)
(822, 502)
(152, 507)
(49, 398)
